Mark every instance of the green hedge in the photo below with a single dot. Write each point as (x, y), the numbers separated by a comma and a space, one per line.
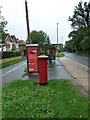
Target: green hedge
(25, 52)
(9, 54)
(42, 52)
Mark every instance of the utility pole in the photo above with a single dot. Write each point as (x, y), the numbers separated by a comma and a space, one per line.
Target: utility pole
(57, 37)
(27, 20)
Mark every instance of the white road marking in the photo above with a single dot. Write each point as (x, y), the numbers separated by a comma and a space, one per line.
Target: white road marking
(12, 70)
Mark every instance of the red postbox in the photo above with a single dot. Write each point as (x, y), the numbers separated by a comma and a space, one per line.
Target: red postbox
(42, 69)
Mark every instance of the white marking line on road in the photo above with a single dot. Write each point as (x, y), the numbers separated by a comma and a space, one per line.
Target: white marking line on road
(12, 70)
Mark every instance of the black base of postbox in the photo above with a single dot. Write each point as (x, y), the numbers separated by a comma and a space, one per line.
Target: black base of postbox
(44, 83)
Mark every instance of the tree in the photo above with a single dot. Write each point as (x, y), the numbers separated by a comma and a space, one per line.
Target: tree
(60, 47)
(3, 24)
(39, 37)
(85, 44)
(48, 40)
(81, 16)
(3, 37)
(69, 46)
(81, 24)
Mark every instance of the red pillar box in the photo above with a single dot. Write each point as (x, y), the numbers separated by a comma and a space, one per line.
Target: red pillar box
(42, 69)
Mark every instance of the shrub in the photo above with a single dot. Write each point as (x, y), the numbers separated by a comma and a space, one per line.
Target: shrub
(42, 52)
(24, 52)
(85, 43)
(14, 48)
(9, 54)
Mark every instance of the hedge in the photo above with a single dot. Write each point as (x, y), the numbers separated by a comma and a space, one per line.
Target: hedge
(25, 52)
(9, 54)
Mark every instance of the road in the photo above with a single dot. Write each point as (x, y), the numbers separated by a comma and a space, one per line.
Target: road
(78, 58)
(12, 73)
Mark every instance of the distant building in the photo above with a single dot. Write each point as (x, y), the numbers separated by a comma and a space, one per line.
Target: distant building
(21, 44)
(10, 42)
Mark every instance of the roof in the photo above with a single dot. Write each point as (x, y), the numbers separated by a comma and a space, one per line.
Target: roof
(21, 42)
(32, 45)
(8, 37)
(12, 36)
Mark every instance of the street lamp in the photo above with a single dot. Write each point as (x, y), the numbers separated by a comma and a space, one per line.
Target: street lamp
(57, 37)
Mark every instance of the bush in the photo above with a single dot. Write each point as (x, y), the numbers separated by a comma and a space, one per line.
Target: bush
(9, 54)
(85, 43)
(42, 52)
(14, 48)
(24, 52)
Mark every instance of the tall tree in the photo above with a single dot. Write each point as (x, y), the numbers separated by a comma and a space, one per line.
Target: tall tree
(80, 23)
(81, 16)
(3, 24)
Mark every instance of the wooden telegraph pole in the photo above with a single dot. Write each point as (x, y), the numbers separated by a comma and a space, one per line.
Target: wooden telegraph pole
(57, 37)
(27, 20)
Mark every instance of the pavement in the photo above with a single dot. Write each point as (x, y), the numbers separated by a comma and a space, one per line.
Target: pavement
(78, 71)
(55, 71)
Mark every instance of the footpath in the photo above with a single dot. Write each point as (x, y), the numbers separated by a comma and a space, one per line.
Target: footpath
(78, 71)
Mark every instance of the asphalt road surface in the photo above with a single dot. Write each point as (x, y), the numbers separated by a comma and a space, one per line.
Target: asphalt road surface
(78, 58)
(12, 73)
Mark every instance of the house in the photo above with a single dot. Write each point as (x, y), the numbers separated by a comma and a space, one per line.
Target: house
(8, 43)
(11, 42)
(14, 42)
(21, 44)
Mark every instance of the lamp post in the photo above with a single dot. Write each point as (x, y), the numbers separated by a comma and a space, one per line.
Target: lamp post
(57, 37)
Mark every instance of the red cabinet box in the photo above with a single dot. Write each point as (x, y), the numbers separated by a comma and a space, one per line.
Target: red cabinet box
(32, 50)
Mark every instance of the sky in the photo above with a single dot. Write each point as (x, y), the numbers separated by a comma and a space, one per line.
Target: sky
(43, 15)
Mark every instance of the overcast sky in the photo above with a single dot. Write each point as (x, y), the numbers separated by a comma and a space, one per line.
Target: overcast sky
(43, 15)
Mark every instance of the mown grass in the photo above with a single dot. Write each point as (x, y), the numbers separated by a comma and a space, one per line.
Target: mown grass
(60, 55)
(11, 62)
(59, 99)
(25, 70)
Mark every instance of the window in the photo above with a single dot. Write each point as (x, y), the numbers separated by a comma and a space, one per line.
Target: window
(8, 49)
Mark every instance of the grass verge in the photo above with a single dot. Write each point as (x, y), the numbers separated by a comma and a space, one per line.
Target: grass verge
(60, 55)
(59, 99)
(25, 70)
(11, 62)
